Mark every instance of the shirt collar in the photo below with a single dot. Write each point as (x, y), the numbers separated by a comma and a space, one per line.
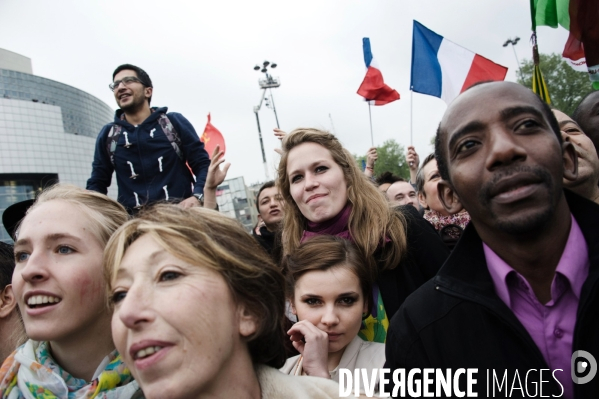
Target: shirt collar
(573, 265)
(499, 271)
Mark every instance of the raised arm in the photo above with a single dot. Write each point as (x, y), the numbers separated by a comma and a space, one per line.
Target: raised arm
(371, 157)
(215, 177)
(413, 163)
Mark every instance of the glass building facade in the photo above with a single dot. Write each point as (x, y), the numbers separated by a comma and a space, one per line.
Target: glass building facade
(81, 112)
(236, 201)
(47, 133)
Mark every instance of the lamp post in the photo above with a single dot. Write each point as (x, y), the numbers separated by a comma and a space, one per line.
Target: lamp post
(268, 83)
(513, 42)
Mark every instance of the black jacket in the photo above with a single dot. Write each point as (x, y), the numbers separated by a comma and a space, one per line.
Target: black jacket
(266, 239)
(271, 242)
(456, 320)
(426, 253)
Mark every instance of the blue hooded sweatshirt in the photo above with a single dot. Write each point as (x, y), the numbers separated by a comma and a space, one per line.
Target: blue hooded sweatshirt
(147, 167)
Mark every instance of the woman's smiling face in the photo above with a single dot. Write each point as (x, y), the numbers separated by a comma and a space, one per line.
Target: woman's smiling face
(176, 324)
(58, 275)
(317, 183)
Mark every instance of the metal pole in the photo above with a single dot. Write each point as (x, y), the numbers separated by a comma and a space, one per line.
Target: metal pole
(274, 108)
(517, 61)
(261, 144)
(332, 125)
(371, 134)
(256, 109)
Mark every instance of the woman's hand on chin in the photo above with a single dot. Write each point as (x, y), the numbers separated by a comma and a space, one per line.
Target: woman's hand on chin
(313, 344)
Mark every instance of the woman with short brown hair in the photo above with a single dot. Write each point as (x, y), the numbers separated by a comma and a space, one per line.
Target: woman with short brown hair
(199, 308)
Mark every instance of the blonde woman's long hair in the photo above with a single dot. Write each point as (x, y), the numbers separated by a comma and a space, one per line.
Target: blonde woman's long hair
(105, 214)
(372, 223)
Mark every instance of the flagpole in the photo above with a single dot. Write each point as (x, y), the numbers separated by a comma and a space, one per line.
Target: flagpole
(411, 114)
(411, 118)
(370, 118)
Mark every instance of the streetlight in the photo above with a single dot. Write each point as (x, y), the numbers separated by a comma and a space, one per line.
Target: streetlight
(513, 42)
(269, 82)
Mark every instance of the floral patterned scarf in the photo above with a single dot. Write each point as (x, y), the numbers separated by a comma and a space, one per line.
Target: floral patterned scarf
(439, 221)
(31, 373)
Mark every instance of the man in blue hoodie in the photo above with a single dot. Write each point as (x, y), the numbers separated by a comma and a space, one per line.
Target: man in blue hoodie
(148, 148)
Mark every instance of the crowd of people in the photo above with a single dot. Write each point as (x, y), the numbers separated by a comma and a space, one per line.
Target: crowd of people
(486, 258)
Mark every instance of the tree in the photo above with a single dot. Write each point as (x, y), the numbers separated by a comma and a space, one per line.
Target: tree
(566, 86)
(391, 157)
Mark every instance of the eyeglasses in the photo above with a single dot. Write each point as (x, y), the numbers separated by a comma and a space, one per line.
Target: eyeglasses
(127, 80)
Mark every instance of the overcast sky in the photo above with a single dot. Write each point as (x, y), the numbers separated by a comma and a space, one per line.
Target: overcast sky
(200, 56)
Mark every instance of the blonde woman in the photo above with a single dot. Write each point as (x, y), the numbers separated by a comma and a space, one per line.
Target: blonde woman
(60, 291)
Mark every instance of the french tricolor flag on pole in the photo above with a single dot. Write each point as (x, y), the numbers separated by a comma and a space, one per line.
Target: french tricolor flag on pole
(373, 88)
(443, 69)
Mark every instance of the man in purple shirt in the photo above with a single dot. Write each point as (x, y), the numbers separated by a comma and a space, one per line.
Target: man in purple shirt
(520, 292)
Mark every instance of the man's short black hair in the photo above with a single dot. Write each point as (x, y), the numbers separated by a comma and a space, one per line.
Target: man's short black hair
(578, 111)
(7, 264)
(266, 185)
(441, 156)
(387, 178)
(141, 75)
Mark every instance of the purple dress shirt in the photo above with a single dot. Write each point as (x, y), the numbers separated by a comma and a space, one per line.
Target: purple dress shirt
(551, 325)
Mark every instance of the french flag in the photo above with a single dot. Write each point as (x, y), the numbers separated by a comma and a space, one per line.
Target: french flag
(443, 69)
(373, 88)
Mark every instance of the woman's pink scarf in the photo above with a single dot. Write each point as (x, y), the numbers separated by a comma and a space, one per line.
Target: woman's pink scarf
(337, 226)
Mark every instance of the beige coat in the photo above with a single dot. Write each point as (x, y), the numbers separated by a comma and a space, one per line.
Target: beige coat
(359, 354)
(276, 385)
